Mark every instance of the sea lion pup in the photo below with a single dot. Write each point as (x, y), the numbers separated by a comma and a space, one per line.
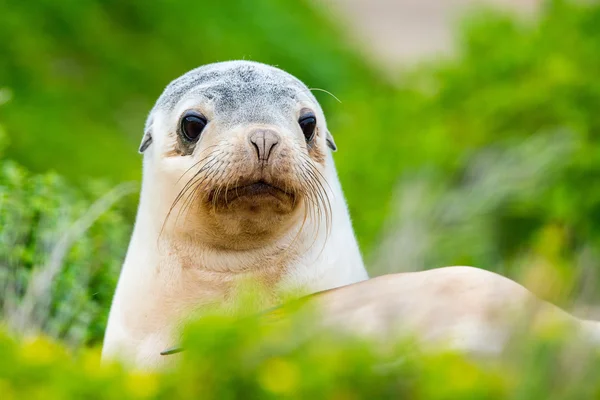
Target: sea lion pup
(238, 183)
(466, 309)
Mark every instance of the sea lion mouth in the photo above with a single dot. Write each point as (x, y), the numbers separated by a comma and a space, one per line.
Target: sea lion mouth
(258, 189)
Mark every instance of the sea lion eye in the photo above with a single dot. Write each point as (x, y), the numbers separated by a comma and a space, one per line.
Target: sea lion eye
(192, 125)
(308, 123)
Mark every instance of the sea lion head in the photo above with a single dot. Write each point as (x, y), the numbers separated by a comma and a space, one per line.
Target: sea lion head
(238, 152)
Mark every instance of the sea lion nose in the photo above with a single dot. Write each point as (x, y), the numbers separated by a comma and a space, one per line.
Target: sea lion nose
(264, 142)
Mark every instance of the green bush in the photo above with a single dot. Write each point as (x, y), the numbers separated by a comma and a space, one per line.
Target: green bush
(511, 79)
(225, 360)
(84, 74)
(77, 274)
(498, 148)
(484, 199)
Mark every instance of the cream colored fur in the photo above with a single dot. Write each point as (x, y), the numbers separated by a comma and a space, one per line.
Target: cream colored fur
(198, 256)
(461, 308)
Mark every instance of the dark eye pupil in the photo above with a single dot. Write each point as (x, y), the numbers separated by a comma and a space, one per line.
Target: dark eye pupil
(192, 126)
(308, 125)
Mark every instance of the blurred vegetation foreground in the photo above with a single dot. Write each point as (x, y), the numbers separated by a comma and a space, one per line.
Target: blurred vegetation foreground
(489, 159)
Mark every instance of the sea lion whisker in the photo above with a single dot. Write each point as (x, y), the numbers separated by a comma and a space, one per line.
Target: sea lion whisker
(329, 208)
(327, 218)
(313, 203)
(192, 181)
(325, 91)
(225, 187)
(316, 170)
(205, 167)
(322, 194)
(315, 213)
(200, 161)
(219, 188)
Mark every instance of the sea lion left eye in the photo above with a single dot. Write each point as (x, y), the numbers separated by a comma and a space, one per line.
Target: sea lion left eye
(192, 126)
(308, 123)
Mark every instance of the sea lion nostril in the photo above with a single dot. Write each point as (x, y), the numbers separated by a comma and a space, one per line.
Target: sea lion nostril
(264, 141)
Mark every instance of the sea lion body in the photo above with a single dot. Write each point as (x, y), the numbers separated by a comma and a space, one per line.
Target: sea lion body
(465, 309)
(254, 196)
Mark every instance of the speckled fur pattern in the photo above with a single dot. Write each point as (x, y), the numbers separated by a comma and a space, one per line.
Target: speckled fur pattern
(242, 92)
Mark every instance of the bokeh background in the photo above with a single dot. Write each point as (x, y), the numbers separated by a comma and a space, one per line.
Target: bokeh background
(468, 133)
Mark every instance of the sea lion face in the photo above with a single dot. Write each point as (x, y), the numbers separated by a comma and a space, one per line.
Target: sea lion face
(242, 149)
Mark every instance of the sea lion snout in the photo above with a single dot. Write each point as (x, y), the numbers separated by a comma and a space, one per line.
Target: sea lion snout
(264, 142)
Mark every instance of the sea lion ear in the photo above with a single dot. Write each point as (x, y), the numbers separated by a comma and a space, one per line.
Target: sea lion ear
(330, 141)
(147, 139)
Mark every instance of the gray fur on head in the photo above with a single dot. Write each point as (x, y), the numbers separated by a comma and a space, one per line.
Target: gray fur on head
(241, 92)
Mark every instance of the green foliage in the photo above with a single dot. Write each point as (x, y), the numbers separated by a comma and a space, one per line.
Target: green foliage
(491, 159)
(36, 212)
(483, 219)
(514, 85)
(84, 74)
(225, 360)
(3, 140)
(4, 98)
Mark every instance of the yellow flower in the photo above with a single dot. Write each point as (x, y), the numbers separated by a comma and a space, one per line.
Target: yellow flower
(279, 376)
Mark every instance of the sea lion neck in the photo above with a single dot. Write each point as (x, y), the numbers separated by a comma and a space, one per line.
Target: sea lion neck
(187, 253)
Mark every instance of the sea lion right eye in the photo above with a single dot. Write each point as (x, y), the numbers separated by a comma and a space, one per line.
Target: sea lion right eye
(192, 125)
